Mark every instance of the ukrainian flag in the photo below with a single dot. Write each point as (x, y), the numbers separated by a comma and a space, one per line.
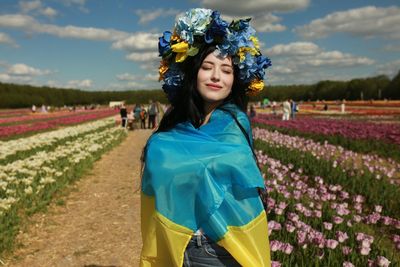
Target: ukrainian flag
(203, 178)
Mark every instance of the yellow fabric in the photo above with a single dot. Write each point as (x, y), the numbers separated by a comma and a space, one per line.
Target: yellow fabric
(249, 244)
(164, 242)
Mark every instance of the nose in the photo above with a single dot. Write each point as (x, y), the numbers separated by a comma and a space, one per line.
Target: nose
(215, 76)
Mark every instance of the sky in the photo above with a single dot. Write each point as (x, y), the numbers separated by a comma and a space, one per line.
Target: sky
(103, 45)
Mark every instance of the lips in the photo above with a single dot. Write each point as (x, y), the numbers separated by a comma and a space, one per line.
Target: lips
(213, 86)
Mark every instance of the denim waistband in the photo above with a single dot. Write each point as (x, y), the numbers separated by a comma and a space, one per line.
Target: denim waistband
(200, 240)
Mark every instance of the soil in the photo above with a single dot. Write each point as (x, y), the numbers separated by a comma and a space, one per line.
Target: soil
(98, 223)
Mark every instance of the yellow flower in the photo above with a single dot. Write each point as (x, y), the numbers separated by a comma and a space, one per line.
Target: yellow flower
(243, 50)
(256, 86)
(162, 70)
(255, 42)
(181, 49)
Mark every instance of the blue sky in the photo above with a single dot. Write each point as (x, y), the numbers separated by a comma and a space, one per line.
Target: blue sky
(112, 45)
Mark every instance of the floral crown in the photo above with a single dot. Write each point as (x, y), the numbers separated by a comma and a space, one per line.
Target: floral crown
(199, 27)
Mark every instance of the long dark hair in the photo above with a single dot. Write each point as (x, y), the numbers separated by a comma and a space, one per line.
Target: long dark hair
(188, 105)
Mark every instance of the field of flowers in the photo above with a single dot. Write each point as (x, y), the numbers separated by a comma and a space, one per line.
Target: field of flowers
(13, 124)
(34, 168)
(334, 188)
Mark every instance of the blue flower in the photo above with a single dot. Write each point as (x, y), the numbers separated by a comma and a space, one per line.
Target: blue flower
(164, 42)
(172, 81)
(194, 22)
(217, 28)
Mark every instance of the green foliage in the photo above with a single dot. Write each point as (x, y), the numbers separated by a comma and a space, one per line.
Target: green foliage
(368, 88)
(392, 90)
(24, 96)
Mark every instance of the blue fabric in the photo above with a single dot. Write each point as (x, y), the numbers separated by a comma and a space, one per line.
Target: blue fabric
(204, 178)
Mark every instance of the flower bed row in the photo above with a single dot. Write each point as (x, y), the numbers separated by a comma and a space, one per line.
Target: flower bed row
(23, 147)
(351, 162)
(380, 148)
(312, 223)
(13, 130)
(31, 118)
(27, 185)
(350, 129)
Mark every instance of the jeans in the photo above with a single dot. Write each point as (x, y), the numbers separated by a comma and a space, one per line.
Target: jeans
(202, 252)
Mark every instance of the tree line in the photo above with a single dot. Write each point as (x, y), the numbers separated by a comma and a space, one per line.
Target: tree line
(379, 87)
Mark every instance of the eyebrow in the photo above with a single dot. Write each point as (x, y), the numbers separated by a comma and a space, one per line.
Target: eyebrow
(223, 65)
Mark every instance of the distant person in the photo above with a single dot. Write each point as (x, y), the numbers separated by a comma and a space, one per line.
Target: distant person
(326, 107)
(143, 117)
(252, 112)
(124, 115)
(43, 109)
(153, 111)
(136, 115)
(293, 108)
(33, 108)
(343, 106)
(273, 107)
(286, 110)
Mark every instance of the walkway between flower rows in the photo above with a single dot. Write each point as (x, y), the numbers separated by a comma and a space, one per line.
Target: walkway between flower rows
(99, 225)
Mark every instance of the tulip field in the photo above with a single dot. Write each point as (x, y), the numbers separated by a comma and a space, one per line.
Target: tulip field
(333, 189)
(36, 166)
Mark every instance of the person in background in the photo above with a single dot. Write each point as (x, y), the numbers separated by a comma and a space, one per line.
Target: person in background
(33, 108)
(143, 117)
(273, 107)
(124, 115)
(286, 110)
(136, 115)
(252, 111)
(153, 111)
(293, 109)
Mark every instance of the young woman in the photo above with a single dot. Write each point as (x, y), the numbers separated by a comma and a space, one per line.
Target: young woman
(200, 184)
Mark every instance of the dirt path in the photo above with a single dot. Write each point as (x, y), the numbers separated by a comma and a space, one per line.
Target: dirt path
(99, 225)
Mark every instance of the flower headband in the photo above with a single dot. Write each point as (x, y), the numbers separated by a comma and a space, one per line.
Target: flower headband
(203, 26)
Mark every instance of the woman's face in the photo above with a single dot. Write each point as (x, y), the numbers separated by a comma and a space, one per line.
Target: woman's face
(215, 79)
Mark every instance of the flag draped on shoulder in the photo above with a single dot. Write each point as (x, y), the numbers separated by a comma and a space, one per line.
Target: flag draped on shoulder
(203, 178)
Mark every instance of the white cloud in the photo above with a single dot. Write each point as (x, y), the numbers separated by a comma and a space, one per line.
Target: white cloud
(79, 3)
(306, 62)
(310, 54)
(146, 16)
(250, 7)
(369, 21)
(267, 23)
(5, 39)
(137, 77)
(36, 7)
(143, 56)
(31, 25)
(79, 84)
(137, 41)
(49, 12)
(296, 48)
(25, 70)
(7, 78)
(28, 6)
(390, 68)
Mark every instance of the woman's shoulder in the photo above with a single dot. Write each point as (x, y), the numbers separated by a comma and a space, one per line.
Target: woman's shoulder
(240, 115)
